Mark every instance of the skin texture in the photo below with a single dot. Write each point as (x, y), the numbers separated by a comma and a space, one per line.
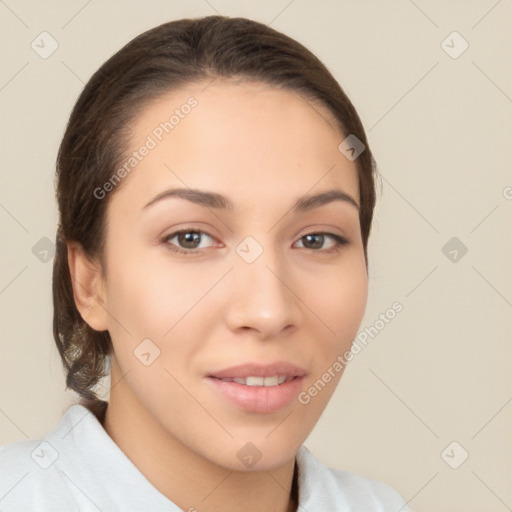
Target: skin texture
(263, 148)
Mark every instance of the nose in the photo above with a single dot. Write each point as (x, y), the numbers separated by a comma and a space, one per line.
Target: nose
(261, 297)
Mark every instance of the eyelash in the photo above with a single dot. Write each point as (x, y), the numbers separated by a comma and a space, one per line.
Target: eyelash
(339, 241)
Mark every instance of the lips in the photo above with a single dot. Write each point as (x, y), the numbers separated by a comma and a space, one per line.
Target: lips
(258, 388)
(279, 368)
(252, 380)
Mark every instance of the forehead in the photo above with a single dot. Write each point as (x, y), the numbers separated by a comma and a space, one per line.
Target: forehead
(243, 139)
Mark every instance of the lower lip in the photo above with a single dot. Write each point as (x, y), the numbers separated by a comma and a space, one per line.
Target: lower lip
(261, 399)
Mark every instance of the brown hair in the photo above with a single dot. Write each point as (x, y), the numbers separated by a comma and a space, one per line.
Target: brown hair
(96, 138)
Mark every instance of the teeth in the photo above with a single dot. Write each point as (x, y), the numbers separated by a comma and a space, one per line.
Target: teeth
(275, 380)
(254, 381)
(271, 381)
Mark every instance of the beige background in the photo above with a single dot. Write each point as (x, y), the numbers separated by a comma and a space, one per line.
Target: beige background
(440, 129)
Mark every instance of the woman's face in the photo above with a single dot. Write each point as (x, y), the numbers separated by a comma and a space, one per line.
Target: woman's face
(253, 280)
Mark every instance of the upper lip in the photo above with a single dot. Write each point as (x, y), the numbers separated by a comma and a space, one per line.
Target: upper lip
(280, 368)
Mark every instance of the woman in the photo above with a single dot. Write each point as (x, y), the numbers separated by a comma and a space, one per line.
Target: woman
(216, 192)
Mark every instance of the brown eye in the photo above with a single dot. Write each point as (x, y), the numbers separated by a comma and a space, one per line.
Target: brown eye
(315, 241)
(187, 241)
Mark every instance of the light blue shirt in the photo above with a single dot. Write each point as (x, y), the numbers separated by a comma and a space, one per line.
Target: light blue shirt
(77, 467)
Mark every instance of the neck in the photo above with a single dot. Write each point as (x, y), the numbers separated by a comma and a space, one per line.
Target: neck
(185, 477)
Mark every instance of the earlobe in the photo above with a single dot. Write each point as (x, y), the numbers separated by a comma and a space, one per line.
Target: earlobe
(88, 287)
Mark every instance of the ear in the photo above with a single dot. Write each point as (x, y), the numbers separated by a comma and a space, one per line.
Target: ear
(88, 287)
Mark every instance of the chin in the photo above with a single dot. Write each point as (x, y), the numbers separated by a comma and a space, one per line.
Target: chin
(258, 454)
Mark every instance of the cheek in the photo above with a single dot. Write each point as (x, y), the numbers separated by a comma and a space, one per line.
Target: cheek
(339, 302)
(349, 308)
(150, 300)
(150, 296)
(338, 311)
(157, 299)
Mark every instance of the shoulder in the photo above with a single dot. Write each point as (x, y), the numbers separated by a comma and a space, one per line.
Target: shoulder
(324, 487)
(368, 492)
(29, 479)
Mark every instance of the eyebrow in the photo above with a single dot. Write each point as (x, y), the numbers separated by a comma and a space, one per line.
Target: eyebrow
(218, 201)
